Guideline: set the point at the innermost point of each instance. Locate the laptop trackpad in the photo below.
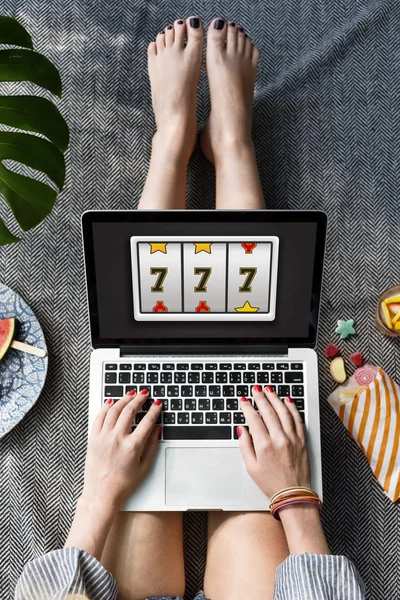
(204, 477)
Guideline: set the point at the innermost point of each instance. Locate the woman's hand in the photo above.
(275, 454)
(118, 460)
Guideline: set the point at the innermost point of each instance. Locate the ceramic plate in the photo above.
(22, 375)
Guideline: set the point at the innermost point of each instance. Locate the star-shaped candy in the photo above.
(345, 328)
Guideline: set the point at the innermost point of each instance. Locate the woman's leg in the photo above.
(174, 70)
(226, 140)
(243, 552)
(144, 552)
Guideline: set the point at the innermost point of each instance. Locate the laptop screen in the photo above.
(203, 276)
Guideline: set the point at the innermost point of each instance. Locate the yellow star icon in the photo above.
(247, 308)
(158, 248)
(202, 248)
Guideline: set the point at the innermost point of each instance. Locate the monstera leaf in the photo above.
(30, 200)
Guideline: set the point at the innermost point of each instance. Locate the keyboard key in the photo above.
(218, 404)
(139, 367)
(225, 366)
(262, 377)
(183, 419)
(110, 367)
(168, 367)
(296, 366)
(297, 390)
(273, 388)
(249, 377)
(211, 366)
(211, 418)
(176, 404)
(154, 367)
(193, 377)
(190, 404)
(207, 377)
(299, 402)
(179, 377)
(221, 432)
(293, 377)
(214, 390)
(253, 366)
(235, 435)
(152, 377)
(146, 406)
(165, 403)
(197, 418)
(186, 391)
(159, 391)
(242, 390)
(276, 377)
(124, 378)
(231, 404)
(200, 390)
(283, 390)
(111, 378)
(204, 404)
(303, 418)
(238, 418)
(182, 367)
(268, 366)
(228, 390)
(166, 378)
(239, 367)
(113, 391)
(282, 366)
(137, 377)
(139, 417)
(130, 388)
(235, 377)
(221, 377)
(197, 366)
(169, 418)
(125, 367)
(145, 387)
(225, 418)
(172, 390)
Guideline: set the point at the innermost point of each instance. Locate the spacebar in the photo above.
(197, 433)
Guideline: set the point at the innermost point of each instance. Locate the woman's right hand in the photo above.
(275, 454)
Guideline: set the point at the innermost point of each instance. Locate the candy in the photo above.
(345, 328)
(331, 351)
(364, 376)
(397, 326)
(392, 299)
(356, 358)
(337, 369)
(387, 319)
(394, 307)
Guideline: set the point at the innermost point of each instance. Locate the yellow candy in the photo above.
(337, 369)
(386, 315)
(392, 299)
(396, 318)
(397, 326)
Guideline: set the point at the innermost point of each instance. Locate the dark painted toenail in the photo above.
(169, 27)
(194, 23)
(232, 24)
(180, 22)
(220, 24)
(241, 29)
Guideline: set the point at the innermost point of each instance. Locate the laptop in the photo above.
(197, 307)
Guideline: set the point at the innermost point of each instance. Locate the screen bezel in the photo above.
(91, 217)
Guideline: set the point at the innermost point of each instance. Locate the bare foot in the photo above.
(231, 69)
(174, 70)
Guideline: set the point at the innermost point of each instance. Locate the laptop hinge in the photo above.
(200, 349)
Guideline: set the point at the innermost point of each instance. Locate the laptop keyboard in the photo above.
(201, 399)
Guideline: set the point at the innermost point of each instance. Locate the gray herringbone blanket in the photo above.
(327, 133)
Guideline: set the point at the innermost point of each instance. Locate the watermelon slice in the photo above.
(7, 328)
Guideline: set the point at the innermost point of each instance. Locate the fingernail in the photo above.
(232, 24)
(195, 23)
(257, 388)
(269, 389)
(244, 399)
(169, 27)
(110, 401)
(180, 22)
(131, 393)
(239, 431)
(246, 35)
(157, 402)
(143, 392)
(162, 31)
(241, 29)
(159, 431)
(219, 24)
(288, 398)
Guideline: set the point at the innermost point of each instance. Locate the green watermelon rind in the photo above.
(6, 335)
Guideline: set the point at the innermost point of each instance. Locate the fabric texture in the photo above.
(73, 574)
(327, 136)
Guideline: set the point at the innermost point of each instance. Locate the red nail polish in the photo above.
(257, 388)
(269, 389)
(159, 431)
(110, 401)
(143, 392)
(131, 393)
(239, 431)
(288, 398)
(243, 399)
(157, 402)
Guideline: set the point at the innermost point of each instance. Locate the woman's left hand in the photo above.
(118, 459)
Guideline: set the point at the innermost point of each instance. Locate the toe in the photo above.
(248, 48)
(179, 33)
(160, 41)
(152, 49)
(169, 35)
(195, 33)
(217, 33)
(231, 37)
(241, 40)
(255, 55)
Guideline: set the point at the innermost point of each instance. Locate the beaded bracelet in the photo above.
(275, 514)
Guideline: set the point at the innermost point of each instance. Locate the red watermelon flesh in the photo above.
(7, 328)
